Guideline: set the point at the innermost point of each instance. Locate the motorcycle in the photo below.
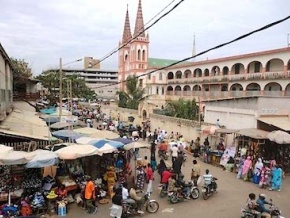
(176, 196)
(207, 190)
(151, 206)
(163, 190)
(275, 212)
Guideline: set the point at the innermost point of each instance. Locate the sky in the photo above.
(40, 32)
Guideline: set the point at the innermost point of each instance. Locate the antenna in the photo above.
(193, 48)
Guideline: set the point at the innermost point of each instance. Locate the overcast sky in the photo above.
(42, 31)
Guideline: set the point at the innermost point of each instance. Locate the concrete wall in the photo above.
(273, 106)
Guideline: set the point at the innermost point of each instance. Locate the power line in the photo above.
(208, 50)
(140, 33)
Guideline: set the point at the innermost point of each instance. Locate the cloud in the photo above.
(42, 31)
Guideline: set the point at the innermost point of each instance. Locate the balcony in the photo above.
(232, 77)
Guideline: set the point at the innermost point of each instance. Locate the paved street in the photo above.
(231, 196)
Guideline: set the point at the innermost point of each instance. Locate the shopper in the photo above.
(90, 196)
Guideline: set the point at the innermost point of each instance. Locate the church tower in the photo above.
(133, 58)
(124, 53)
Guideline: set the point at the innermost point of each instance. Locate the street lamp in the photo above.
(60, 83)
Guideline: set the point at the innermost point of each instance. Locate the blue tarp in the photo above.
(125, 141)
(101, 143)
(48, 110)
(66, 134)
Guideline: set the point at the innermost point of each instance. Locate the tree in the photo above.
(186, 109)
(21, 73)
(133, 94)
(50, 80)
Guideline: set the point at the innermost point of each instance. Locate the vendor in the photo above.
(61, 191)
(110, 177)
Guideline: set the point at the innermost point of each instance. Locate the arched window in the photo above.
(162, 91)
(143, 55)
(157, 91)
(139, 55)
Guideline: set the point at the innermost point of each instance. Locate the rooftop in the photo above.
(5, 55)
(158, 62)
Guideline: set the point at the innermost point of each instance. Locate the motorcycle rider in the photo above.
(261, 206)
(125, 194)
(133, 195)
(209, 180)
(171, 183)
(252, 205)
(162, 148)
(181, 183)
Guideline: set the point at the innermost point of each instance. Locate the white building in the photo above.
(6, 84)
(268, 113)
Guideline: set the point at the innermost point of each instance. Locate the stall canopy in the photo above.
(226, 131)
(280, 137)
(74, 151)
(106, 146)
(86, 140)
(60, 125)
(5, 149)
(51, 120)
(280, 122)
(209, 130)
(254, 133)
(16, 158)
(66, 134)
(42, 158)
(125, 141)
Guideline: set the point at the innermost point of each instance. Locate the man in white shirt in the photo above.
(125, 194)
(174, 153)
(208, 180)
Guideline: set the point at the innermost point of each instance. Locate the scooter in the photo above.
(207, 190)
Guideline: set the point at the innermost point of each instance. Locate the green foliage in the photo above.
(186, 109)
(133, 94)
(50, 80)
(21, 72)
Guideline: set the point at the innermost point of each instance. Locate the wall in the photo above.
(188, 128)
(273, 106)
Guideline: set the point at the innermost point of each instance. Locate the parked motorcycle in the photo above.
(162, 190)
(275, 212)
(151, 206)
(207, 190)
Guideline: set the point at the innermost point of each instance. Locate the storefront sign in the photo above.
(269, 110)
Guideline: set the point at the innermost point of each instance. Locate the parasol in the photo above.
(75, 151)
(280, 137)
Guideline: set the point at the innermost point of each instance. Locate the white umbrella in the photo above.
(42, 158)
(75, 151)
(279, 137)
(104, 134)
(5, 149)
(16, 158)
(134, 145)
(86, 131)
(85, 140)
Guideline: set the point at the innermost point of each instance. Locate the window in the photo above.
(157, 91)
(141, 82)
(162, 91)
(139, 55)
(237, 69)
(143, 55)
(160, 76)
(149, 76)
(268, 66)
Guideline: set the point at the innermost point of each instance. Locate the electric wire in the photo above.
(206, 51)
(141, 32)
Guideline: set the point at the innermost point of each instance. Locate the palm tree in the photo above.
(132, 95)
(186, 109)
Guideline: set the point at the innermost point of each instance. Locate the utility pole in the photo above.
(60, 88)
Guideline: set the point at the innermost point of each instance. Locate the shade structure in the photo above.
(42, 158)
(106, 146)
(51, 120)
(75, 151)
(125, 141)
(16, 158)
(66, 134)
(104, 134)
(85, 140)
(60, 125)
(209, 130)
(280, 137)
(136, 145)
(4, 150)
(48, 111)
(86, 131)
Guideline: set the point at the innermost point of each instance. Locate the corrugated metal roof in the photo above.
(25, 124)
(280, 122)
(254, 133)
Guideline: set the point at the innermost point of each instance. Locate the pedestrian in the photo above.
(174, 153)
(116, 209)
(90, 196)
(177, 165)
(161, 168)
(257, 171)
(247, 167)
(130, 179)
(240, 166)
(195, 172)
(153, 163)
(277, 175)
(140, 178)
(150, 177)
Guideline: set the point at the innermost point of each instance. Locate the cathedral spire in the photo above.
(127, 35)
(139, 25)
